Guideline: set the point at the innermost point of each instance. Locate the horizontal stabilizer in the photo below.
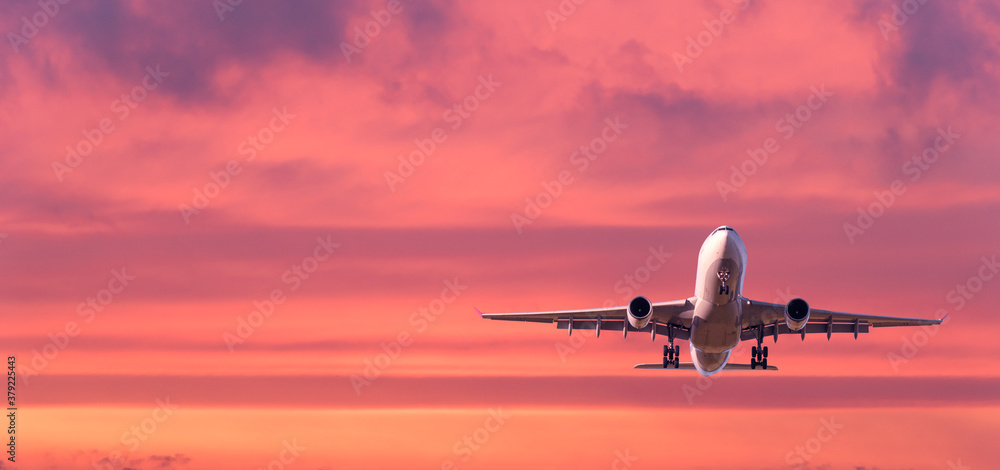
(659, 365)
(746, 367)
(690, 366)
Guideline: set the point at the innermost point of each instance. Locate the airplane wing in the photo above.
(767, 319)
(672, 317)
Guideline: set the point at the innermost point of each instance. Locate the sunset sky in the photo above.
(256, 235)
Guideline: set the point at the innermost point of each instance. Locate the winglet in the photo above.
(944, 317)
(480, 313)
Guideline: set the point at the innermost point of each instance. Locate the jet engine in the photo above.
(639, 311)
(796, 314)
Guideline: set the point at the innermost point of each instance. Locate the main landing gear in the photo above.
(759, 357)
(758, 353)
(671, 356)
(671, 353)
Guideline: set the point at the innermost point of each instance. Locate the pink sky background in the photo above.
(390, 248)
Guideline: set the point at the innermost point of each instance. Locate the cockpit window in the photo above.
(724, 227)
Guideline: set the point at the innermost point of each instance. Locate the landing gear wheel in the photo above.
(753, 351)
(765, 351)
(753, 362)
(763, 364)
(671, 355)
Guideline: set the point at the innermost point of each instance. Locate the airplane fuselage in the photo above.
(716, 321)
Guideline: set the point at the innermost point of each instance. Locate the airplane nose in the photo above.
(725, 239)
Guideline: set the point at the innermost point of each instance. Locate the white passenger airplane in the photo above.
(716, 318)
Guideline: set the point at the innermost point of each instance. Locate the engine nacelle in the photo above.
(639, 312)
(796, 314)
